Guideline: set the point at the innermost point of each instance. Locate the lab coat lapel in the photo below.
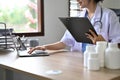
(97, 14)
(82, 13)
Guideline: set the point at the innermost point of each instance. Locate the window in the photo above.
(25, 17)
(73, 8)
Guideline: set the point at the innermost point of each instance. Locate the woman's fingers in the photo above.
(91, 38)
(92, 33)
(94, 37)
(31, 50)
(36, 48)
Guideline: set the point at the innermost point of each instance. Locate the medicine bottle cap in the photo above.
(103, 43)
(90, 48)
(113, 45)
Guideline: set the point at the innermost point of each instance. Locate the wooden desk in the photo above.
(71, 65)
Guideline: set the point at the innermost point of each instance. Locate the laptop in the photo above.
(24, 52)
(78, 26)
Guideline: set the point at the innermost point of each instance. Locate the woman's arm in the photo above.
(53, 46)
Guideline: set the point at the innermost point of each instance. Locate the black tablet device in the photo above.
(78, 26)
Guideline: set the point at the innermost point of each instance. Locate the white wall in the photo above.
(111, 3)
(54, 29)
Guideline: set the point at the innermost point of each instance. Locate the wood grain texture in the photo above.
(70, 63)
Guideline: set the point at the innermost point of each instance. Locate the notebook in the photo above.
(24, 53)
(78, 26)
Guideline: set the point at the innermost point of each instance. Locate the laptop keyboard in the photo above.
(34, 53)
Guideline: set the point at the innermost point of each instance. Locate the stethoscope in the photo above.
(99, 22)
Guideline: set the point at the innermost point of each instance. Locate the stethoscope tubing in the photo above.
(99, 21)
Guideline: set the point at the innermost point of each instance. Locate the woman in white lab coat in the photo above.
(105, 22)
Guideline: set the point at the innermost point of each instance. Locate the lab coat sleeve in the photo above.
(67, 39)
(114, 28)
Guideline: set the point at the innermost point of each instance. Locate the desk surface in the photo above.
(71, 65)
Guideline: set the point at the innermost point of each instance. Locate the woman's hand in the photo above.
(36, 48)
(94, 37)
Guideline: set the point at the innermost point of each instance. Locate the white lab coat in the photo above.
(110, 28)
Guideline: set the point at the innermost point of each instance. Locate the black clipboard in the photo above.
(78, 26)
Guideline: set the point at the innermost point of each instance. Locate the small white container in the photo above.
(93, 61)
(89, 48)
(100, 49)
(112, 56)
